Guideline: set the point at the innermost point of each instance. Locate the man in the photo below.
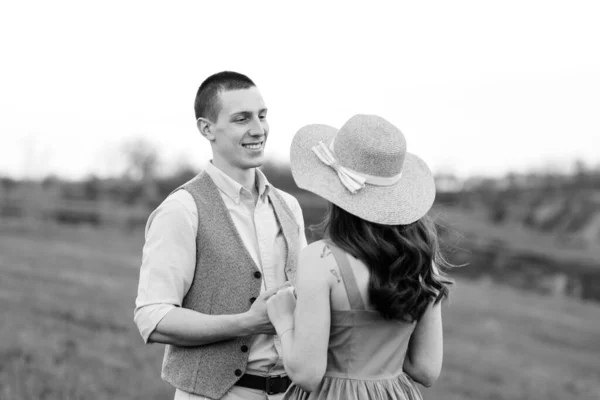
(216, 249)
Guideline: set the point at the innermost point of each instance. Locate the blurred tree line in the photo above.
(142, 186)
(130, 196)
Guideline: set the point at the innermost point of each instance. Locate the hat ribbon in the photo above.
(352, 180)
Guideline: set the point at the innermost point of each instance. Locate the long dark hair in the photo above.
(401, 259)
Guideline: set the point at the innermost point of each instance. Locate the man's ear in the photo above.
(205, 127)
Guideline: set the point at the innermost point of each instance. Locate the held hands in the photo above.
(260, 322)
(280, 308)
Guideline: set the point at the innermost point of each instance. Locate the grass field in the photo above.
(67, 298)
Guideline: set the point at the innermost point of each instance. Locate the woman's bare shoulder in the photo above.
(317, 261)
(316, 251)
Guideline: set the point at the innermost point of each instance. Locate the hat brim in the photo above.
(402, 203)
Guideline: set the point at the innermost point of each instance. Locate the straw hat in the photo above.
(364, 169)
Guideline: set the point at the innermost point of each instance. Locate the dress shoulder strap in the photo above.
(341, 258)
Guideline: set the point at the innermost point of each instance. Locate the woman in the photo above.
(367, 320)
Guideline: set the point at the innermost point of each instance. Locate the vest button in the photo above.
(244, 348)
(238, 372)
(252, 300)
(257, 275)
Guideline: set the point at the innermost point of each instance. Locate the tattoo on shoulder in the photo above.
(335, 273)
(326, 251)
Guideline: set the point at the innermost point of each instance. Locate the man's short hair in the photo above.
(207, 103)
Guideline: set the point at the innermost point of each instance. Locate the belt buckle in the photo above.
(269, 384)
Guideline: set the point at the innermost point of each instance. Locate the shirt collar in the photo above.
(264, 187)
(232, 188)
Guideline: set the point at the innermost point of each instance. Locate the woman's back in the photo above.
(366, 352)
(379, 196)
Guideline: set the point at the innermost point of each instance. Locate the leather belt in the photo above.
(270, 384)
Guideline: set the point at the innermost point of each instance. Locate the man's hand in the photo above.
(257, 314)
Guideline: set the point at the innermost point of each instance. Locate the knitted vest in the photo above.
(224, 283)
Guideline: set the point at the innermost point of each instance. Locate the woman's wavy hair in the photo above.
(405, 261)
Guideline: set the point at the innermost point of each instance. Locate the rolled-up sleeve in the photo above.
(168, 260)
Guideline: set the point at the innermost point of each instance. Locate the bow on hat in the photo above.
(352, 180)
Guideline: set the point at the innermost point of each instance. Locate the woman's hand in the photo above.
(280, 308)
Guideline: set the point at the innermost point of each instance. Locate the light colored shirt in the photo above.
(169, 256)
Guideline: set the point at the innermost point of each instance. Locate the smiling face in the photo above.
(239, 134)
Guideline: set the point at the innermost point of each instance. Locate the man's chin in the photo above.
(255, 163)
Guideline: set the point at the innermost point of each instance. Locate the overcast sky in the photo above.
(477, 87)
